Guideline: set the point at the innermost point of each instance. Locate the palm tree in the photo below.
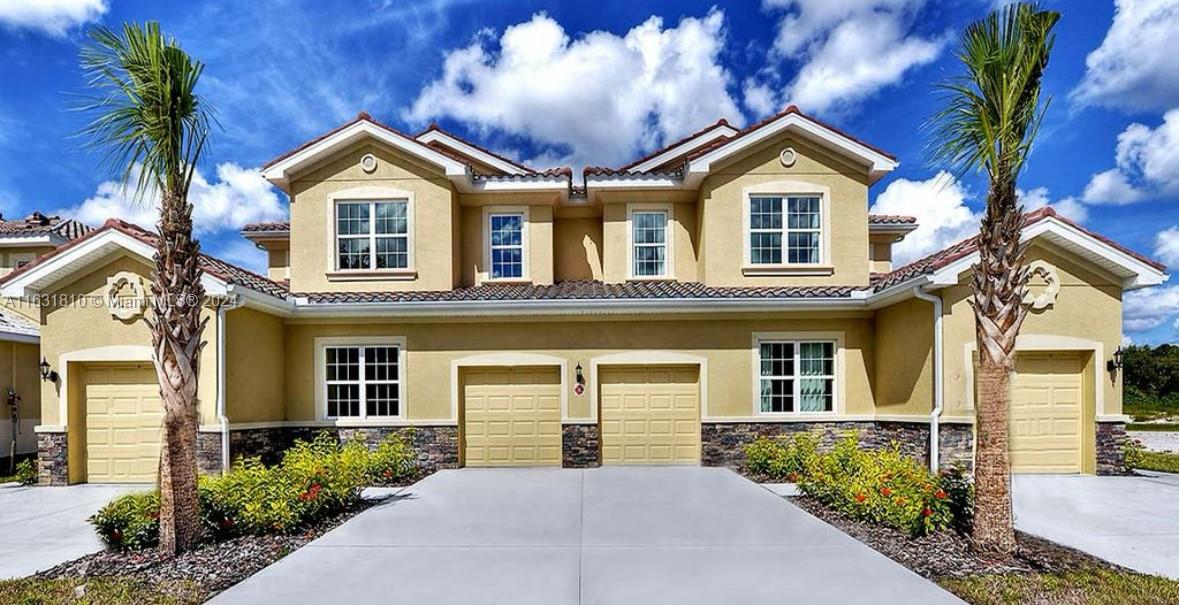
(153, 126)
(988, 123)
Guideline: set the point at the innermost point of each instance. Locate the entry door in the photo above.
(512, 417)
(1046, 413)
(650, 415)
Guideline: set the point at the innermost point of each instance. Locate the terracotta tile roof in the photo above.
(267, 226)
(435, 127)
(564, 171)
(717, 124)
(582, 290)
(214, 266)
(604, 171)
(964, 248)
(40, 224)
(360, 117)
(891, 219)
(12, 322)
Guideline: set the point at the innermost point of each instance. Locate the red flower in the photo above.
(860, 498)
(388, 473)
(925, 512)
(940, 495)
(792, 477)
(884, 491)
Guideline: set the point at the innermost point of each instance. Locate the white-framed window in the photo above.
(506, 253)
(785, 229)
(372, 235)
(796, 376)
(362, 380)
(649, 243)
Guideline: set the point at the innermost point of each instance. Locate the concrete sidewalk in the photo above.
(44, 526)
(610, 535)
(1131, 521)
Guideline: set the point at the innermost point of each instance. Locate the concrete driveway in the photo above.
(610, 535)
(1131, 521)
(43, 526)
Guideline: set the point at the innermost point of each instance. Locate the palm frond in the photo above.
(146, 115)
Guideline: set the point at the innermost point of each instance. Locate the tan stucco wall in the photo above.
(538, 223)
(254, 364)
(80, 326)
(616, 236)
(726, 344)
(1088, 307)
(722, 240)
(278, 261)
(904, 358)
(432, 222)
(9, 255)
(19, 372)
(577, 248)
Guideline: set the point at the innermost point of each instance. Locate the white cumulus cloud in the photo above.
(845, 51)
(1069, 207)
(595, 98)
(939, 203)
(1135, 66)
(1166, 246)
(238, 196)
(1147, 165)
(1150, 308)
(53, 17)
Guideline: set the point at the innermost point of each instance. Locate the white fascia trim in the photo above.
(685, 147)
(31, 240)
(898, 228)
(879, 163)
(462, 147)
(279, 173)
(635, 182)
(19, 337)
(557, 184)
(1143, 275)
(34, 279)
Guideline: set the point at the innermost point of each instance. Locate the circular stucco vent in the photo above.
(788, 157)
(368, 163)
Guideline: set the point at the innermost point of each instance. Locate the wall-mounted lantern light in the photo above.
(1115, 363)
(47, 373)
(580, 378)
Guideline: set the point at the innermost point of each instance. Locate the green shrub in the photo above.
(26, 472)
(394, 461)
(129, 522)
(315, 480)
(779, 459)
(879, 486)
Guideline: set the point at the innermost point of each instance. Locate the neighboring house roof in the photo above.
(54, 229)
(961, 251)
(585, 290)
(435, 136)
(61, 258)
(891, 219)
(14, 326)
(267, 226)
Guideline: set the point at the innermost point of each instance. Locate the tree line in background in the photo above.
(1151, 381)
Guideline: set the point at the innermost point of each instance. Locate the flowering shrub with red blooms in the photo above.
(880, 486)
(314, 481)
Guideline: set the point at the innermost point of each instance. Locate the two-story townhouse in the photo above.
(21, 241)
(729, 285)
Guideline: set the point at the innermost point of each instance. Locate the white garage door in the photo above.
(1046, 413)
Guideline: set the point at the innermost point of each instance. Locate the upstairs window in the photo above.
(796, 376)
(785, 230)
(372, 235)
(649, 243)
(506, 245)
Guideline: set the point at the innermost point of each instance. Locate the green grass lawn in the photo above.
(1165, 427)
(1154, 461)
(1094, 586)
(96, 591)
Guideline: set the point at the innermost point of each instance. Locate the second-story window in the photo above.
(507, 245)
(649, 243)
(784, 230)
(372, 235)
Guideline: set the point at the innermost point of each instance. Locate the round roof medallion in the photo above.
(126, 297)
(368, 163)
(788, 157)
(1046, 283)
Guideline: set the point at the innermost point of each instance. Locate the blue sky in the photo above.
(598, 83)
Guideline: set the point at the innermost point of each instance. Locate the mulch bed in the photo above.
(207, 570)
(949, 554)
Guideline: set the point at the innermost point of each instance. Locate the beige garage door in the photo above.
(650, 415)
(123, 423)
(512, 417)
(1046, 413)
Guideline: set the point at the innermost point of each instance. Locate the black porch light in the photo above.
(47, 374)
(1115, 363)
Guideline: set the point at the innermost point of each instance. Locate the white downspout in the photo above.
(938, 387)
(221, 417)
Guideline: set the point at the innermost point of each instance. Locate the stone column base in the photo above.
(53, 460)
(581, 446)
(1111, 448)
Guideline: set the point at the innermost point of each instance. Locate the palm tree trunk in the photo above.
(176, 326)
(999, 282)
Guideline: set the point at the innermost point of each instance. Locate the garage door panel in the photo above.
(512, 417)
(1046, 421)
(650, 415)
(123, 423)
